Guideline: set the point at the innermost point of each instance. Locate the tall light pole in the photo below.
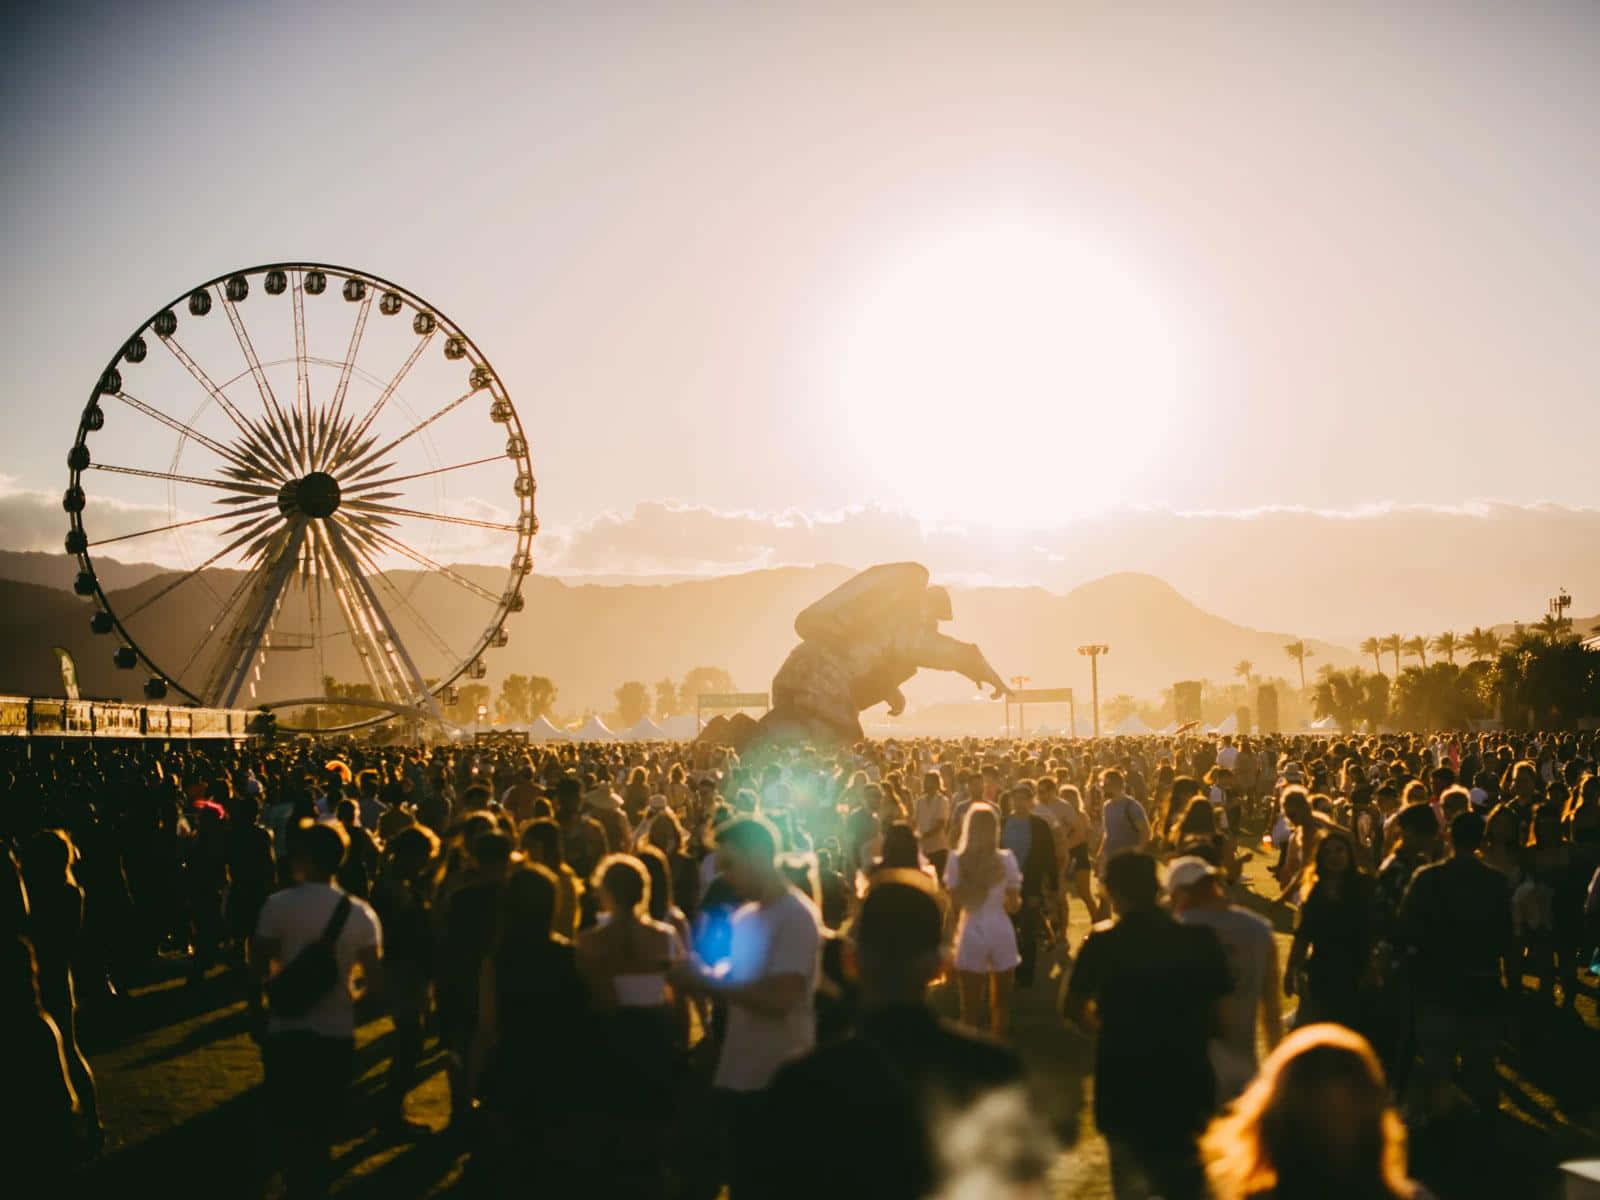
(1018, 682)
(1092, 652)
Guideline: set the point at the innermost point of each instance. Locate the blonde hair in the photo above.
(1278, 1133)
(978, 856)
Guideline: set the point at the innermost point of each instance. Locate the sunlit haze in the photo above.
(1014, 266)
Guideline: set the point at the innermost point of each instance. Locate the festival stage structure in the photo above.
(292, 432)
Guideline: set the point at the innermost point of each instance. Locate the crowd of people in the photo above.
(663, 969)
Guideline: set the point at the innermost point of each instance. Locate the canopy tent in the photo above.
(645, 730)
(1132, 726)
(541, 729)
(592, 730)
(1168, 730)
(1325, 725)
(1229, 724)
(684, 727)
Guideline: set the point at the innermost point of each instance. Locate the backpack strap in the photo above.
(335, 926)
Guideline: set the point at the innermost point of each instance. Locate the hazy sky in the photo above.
(1002, 262)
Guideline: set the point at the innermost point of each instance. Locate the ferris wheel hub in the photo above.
(315, 495)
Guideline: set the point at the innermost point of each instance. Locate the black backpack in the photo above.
(312, 974)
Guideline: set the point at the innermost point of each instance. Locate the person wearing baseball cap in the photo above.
(1148, 987)
(1198, 893)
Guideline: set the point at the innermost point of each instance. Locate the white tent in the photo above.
(684, 727)
(1169, 730)
(541, 729)
(1229, 724)
(1326, 725)
(645, 730)
(1132, 726)
(592, 730)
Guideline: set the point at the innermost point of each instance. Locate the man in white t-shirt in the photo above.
(1198, 899)
(307, 1056)
(768, 984)
(933, 821)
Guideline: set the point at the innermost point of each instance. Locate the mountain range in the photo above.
(589, 638)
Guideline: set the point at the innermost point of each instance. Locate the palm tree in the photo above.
(1418, 646)
(1393, 644)
(1243, 669)
(1446, 644)
(1299, 652)
(1373, 646)
(1483, 643)
(1553, 628)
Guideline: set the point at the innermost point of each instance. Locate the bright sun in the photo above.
(1006, 375)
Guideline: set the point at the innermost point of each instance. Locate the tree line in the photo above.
(525, 698)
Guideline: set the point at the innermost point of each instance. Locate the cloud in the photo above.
(1340, 574)
(35, 520)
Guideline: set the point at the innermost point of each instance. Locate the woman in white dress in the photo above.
(986, 887)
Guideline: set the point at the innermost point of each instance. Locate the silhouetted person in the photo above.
(532, 1052)
(308, 1037)
(1316, 1124)
(402, 898)
(55, 921)
(1149, 987)
(878, 1098)
(1456, 917)
(39, 1136)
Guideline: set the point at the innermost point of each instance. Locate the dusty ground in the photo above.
(177, 1091)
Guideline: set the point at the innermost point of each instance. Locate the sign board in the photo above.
(1042, 696)
(501, 739)
(78, 718)
(208, 722)
(732, 700)
(13, 716)
(116, 720)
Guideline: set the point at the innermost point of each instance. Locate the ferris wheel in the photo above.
(330, 481)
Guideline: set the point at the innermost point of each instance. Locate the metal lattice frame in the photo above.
(309, 490)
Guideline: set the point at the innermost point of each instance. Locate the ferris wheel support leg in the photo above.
(422, 697)
(241, 654)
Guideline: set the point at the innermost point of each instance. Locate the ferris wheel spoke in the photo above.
(374, 571)
(177, 426)
(373, 455)
(222, 516)
(240, 489)
(358, 488)
(269, 401)
(336, 410)
(256, 618)
(423, 560)
(188, 575)
(389, 510)
(423, 623)
(350, 441)
(363, 634)
(245, 426)
(217, 623)
(414, 690)
(302, 379)
(314, 579)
